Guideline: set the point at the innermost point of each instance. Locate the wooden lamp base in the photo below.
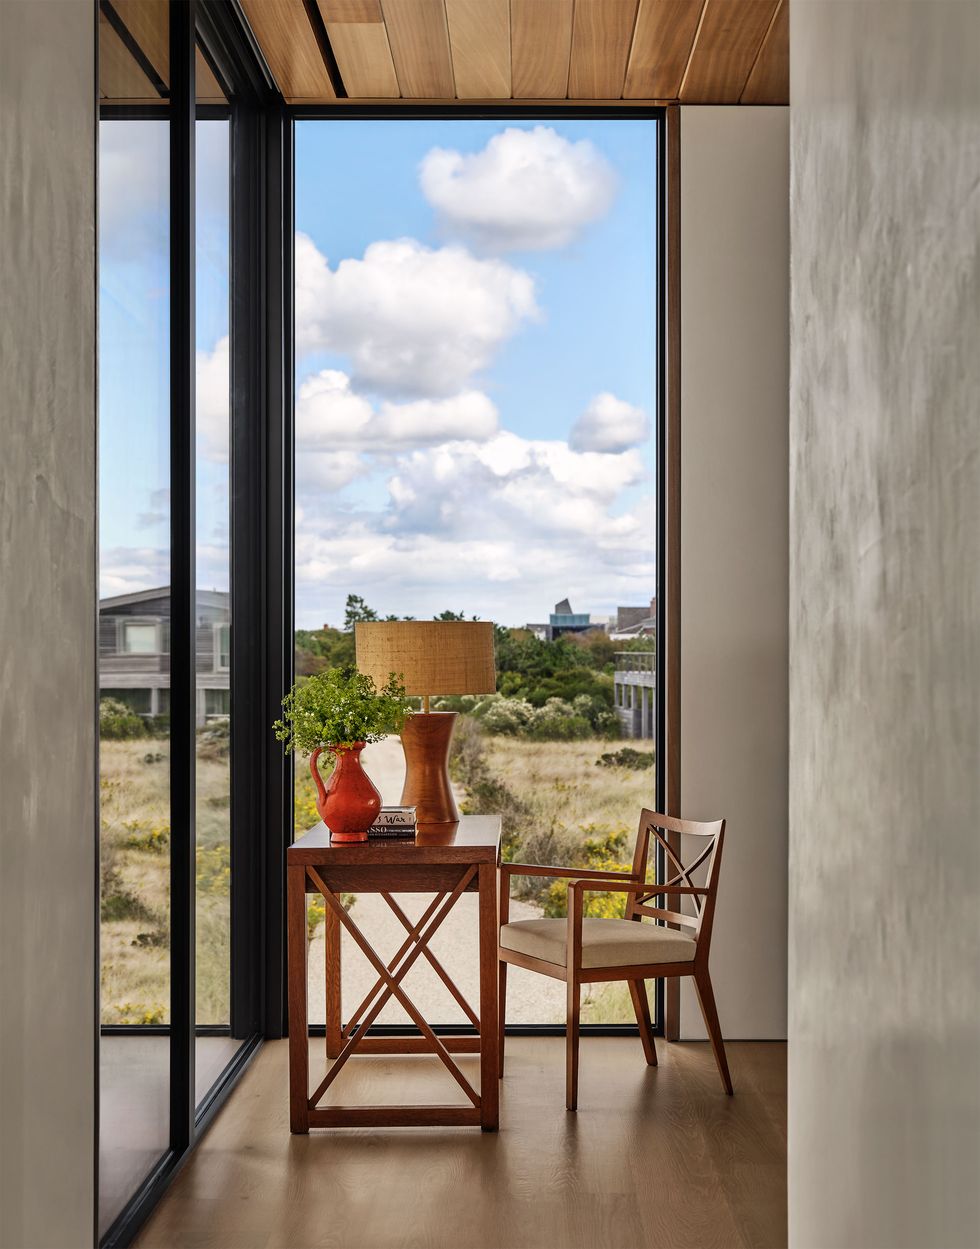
(426, 739)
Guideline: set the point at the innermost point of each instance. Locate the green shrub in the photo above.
(116, 901)
(154, 839)
(605, 851)
(117, 722)
(627, 757)
(510, 716)
(123, 904)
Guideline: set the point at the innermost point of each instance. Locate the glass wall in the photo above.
(134, 661)
(476, 399)
(166, 847)
(214, 1045)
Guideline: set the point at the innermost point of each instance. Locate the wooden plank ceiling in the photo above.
(694, 51)
(322, 51)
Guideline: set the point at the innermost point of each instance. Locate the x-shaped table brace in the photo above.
(390, 976)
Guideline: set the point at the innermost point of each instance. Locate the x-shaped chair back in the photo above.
(696, 881)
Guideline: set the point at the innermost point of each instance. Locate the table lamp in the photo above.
(429, 657)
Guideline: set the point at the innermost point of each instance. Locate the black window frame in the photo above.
(261, 562)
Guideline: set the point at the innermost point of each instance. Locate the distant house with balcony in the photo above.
(134, 652)
(635, 692)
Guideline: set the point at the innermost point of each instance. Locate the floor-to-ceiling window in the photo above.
(167, 342)
(134, 643)
(214, 1045)
(476, 407)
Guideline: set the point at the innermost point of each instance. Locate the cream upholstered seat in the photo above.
(605, 942)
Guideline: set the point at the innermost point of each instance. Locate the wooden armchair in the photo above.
(589, 951)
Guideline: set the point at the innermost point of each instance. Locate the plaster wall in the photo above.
(48, 827)
(734, 543)
(884, 1088)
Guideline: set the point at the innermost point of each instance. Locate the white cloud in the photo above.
(503, 527)
(414, 321)
(526, 189)
(327, 470)
(126, 569)
(470, 414)
(213, 383)
(328, 411)
(331, 415)
(609, 425)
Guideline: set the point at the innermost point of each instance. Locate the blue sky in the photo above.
(390, 526)
(475, 364)
(134, 354)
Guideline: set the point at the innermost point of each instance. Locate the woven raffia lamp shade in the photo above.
(429, 657)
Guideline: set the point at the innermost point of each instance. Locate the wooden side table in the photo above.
(445, 860)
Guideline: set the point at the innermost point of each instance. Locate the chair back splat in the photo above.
(654, 834)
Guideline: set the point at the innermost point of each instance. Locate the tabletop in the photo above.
(475, 839)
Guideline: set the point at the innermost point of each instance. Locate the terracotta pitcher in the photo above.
(349, 803)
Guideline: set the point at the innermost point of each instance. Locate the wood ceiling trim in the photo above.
(207, 87)
(769, 80)
(418, 35)
(356, 11)
(662, 43)
(479, 39)
(359, 40)
(148, 21)
(602, 33)
(727, 45)
(541, 47)
(283, 32)
(120, 76)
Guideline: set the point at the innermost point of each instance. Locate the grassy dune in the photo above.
(135, 934)
(561, 799)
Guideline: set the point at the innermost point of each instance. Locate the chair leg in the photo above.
(501, 1014)
(571, 1043)
(706, 997)
(641, 1008)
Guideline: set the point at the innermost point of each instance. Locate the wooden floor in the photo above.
(658, 1158)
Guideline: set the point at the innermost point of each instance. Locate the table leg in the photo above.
(489, 1052)
(331, 942)
(299, 1055)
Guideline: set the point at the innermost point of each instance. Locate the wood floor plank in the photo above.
(658, 1157)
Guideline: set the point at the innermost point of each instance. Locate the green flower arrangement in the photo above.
(338, 708)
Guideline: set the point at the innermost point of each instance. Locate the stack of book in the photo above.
(393, 824)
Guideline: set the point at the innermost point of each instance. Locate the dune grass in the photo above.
(135, 858)
(562, 799)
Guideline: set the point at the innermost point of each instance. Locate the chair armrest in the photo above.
(568, 873)
(618, 885)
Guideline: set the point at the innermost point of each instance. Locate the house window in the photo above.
(217, 703)
(139, 638)
(138, 700)
(222, 647)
